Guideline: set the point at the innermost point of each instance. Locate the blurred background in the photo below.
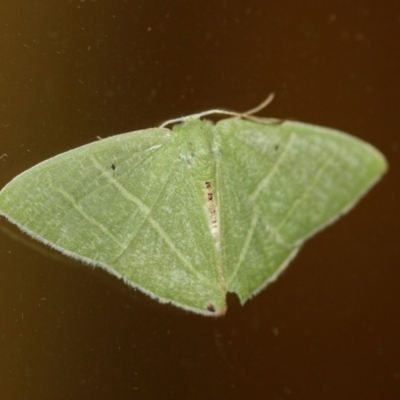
(329, 327)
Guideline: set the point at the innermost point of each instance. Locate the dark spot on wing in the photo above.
(276, 147)
(113, 167)
(211, 308)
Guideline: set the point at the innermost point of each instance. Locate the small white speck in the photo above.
(154, 147)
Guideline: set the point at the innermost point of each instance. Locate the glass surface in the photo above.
(73, 71)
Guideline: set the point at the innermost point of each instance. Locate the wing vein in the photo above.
(304, 194)
(273, 170)
(146, 212)
(245, 247)
(88, 218)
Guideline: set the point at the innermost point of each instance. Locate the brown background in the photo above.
(329, 327)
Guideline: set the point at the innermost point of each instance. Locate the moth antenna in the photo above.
(248, 114)
(264, 104)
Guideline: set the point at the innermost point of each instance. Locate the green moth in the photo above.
(190, 213)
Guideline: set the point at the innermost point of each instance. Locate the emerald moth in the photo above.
(191, 213)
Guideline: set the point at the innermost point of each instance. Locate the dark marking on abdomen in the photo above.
(212, 211)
